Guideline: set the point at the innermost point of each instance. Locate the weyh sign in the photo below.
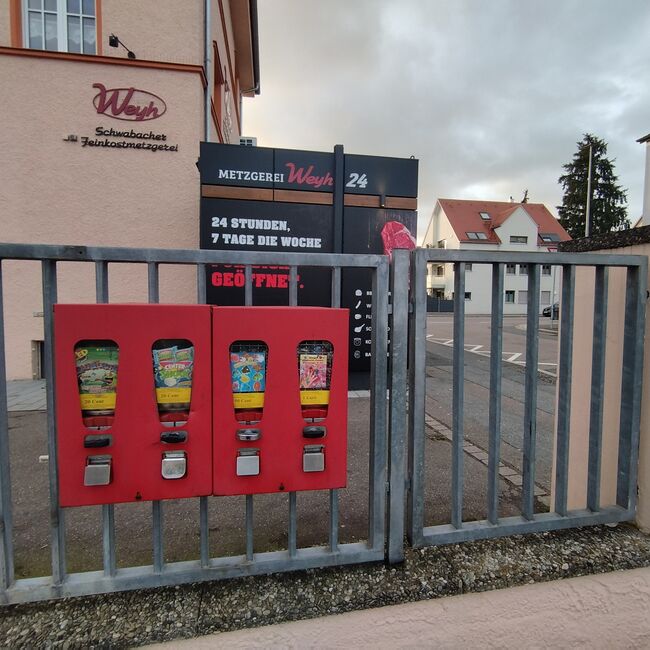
(130, 104)
(285, 200)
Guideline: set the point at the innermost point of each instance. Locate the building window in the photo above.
(522, 297)
(549, 237)
(476, 235)
(511, 269)
(510, 297)
(468, 266)
(442, 243)
(60, 25)
(518, 239)
(485, 216)
(440, 270)
(468, 295)
(523, 269)
(546, 269)
(545, 297)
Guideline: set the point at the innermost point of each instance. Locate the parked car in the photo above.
(556, 310)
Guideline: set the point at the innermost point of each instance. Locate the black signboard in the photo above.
(272, 216)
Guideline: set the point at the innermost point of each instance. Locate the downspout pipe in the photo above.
(209, 69)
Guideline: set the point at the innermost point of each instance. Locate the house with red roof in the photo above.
(497, 226)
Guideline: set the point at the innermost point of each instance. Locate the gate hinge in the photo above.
(411, 307)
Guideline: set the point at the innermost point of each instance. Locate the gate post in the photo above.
(397, 382)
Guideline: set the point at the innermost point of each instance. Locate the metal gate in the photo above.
(203, 567)
(408, 468)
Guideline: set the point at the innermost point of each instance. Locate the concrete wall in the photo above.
(580, 392)
(602, 611)
(156, 30)
(63, 193)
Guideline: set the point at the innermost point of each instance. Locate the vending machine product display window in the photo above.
(173, 366)
(315, 359)
(96, 363)
(248, 374)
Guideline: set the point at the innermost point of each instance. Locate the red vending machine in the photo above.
(279, 399)
(133, 402)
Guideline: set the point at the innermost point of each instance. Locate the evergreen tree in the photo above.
(608, 199)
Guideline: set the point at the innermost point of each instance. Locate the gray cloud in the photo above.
(490, 96)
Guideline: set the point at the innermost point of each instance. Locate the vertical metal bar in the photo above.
(399, 282)
(248, 285)
(496, 349)
(101, 282)
(6, 515)
(637, 379)
(417, 391)
(635, 299)
(378, 411)
(293, 286)
(336, 287)
(458, 396)
(292, 524)
(57, 522)
(201, 284)
(597, 388)
(249, 527)
(108, 510)
(334, 521)
(153, 287)
(204, 541)
(108, 539)
(339, 196)
(564, 390)
(157, 521)
(530, 393)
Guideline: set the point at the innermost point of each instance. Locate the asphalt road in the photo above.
(476, 403)
(477, 338)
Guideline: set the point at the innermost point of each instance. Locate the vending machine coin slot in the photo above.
(97, 440)
(174, 464)
(173, 437)
(248, 435)
(248, 462)
(98, 470)
(314, 432)
(313, 458)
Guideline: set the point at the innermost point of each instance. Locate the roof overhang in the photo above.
(244, 26)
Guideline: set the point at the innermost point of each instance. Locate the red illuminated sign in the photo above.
(131, 104)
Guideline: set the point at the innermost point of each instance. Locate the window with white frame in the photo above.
(476, 235)
(60, 25)
(468, 295)
(522, 297)
(545, 297)
(518, 239)
(546, 269)
(468, 266)
(510, 297)
(523, 269)
(511, 269)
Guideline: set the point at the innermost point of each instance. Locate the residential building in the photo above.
(104, 104)
(493, 226)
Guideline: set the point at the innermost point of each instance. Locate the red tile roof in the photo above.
(464, 217)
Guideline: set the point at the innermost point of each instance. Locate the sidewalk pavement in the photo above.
(26, 395)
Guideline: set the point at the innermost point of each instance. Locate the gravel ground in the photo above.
(140, 617)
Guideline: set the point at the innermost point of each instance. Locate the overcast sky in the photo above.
(490, 95)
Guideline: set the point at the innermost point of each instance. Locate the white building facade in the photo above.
(493, 226)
